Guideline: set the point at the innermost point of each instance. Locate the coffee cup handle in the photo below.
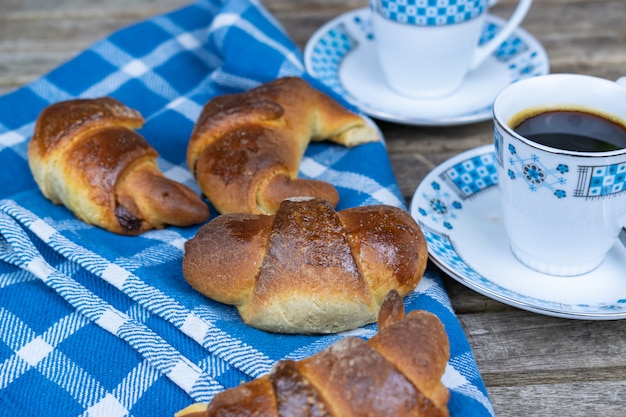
(483, 51)
(621, 81)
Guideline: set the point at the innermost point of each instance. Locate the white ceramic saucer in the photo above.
(457, 207)
(341, 55)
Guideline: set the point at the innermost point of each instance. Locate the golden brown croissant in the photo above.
(397, 373)
(86, 155)
(245, 149)
(308, 268)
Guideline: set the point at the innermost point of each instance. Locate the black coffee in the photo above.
(572, 130)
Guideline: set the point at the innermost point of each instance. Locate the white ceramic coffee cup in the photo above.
(426, 47)
(562, 210)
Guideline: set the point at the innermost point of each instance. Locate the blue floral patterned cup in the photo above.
(563, 210)
(425, 48)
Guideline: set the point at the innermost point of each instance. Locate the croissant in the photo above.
(397, 373)
(86, 155)
(245, 149)
(308, 268)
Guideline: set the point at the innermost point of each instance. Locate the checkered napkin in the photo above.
(97, 324)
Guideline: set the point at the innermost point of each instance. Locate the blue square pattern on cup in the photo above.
(602, 180)
(592, 182)
(430, 12)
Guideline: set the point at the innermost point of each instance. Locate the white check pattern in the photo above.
(96, 324)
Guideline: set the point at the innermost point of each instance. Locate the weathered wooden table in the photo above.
(532, 364)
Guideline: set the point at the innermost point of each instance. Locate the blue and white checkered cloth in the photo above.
(97, 324)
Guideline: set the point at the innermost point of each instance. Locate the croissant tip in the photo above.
(194, 410)
(391, 310)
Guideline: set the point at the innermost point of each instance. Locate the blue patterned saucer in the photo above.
(457, 207)
(341, 55)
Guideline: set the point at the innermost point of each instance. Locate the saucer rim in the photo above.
(479, 115)
(521, 301)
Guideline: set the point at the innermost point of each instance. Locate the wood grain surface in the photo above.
(532, 365)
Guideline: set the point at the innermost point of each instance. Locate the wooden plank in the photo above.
(538, 365)
(521, 344)
(581, 399)
(36, 37)
(52, 9)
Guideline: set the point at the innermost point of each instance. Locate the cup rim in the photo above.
(521, 83)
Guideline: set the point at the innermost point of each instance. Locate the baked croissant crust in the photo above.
(397, 373)
(308, 268)
(85, 155)
(245, 149)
